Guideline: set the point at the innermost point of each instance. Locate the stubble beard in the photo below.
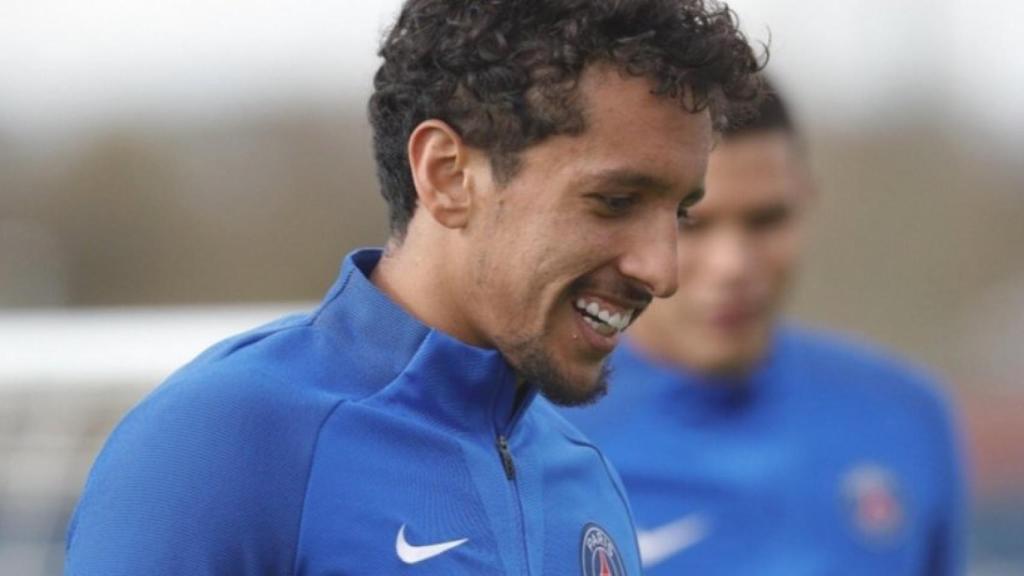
(535, 364)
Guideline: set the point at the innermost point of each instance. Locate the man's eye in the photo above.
(769, 218)
(693, 198)
(690, 224)
(683, 214)
(687, 222)
(683, 210)
(617, 204)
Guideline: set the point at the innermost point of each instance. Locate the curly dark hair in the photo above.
(770, 115)
(503, 73)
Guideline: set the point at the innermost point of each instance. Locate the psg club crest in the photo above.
(875, 503)
(598, 554)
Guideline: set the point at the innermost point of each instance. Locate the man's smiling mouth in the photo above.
(603, 319)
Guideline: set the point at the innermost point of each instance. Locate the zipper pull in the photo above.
(506, 458)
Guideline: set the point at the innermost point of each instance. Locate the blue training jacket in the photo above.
(352, 440)
(830, 459)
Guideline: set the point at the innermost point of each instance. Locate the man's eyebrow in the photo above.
(631, 179)
(622, 178)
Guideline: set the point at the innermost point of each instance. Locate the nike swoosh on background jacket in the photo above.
(829, 459)
(351, 440)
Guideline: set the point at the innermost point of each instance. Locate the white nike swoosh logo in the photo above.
(414, 554)
(666, 541)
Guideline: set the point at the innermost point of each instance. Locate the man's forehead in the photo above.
(751, 182)
(763, 145)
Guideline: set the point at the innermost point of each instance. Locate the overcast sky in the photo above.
(66, 64)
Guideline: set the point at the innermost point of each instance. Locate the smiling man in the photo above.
(752, 447)
(536, 157)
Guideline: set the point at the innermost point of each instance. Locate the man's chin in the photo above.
(558, 383)
(569, 392)
(734, 360)
(561, 376)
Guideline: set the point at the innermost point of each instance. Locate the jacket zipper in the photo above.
(509, 466)
(506, 458)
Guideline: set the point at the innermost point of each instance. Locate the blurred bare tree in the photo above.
(242, 211)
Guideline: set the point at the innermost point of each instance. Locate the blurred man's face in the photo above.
(737, 257)
(571, 250)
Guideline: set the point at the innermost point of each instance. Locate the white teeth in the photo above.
(609, 322)
(597, 326)
(600, 328)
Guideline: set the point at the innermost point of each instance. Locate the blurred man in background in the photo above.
(536, 157)
(748, 446)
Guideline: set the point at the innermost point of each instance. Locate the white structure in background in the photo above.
(66, 377)
(116, 346)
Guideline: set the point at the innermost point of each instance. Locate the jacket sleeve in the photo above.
(204, 477)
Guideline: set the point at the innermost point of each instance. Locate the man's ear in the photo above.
(438, 159)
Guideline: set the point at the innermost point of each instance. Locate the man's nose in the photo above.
(651, 259)
(728, 254)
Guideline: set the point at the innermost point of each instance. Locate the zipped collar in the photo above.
(415, 369)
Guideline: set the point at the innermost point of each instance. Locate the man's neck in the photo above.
(414, 280)
(665, 348)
